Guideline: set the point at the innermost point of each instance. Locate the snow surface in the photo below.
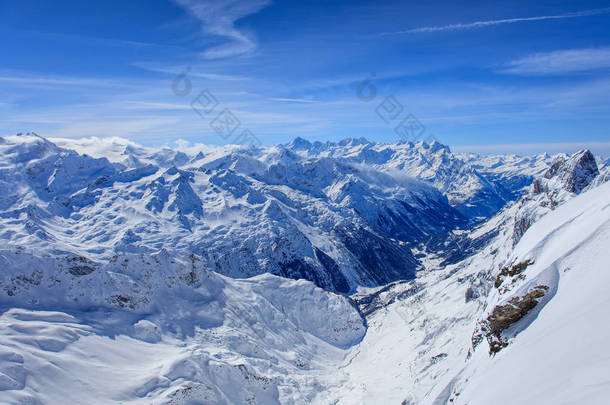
(418, 349)
(265, 340)
(562, 357)
(136, 275)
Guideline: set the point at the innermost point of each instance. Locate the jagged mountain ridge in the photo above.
(477, 186)
(339, 214)
(244, 212)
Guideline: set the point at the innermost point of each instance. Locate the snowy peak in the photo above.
(574, 173)
(435, 146)
(24, 147)
(566, 177)
(299, 144)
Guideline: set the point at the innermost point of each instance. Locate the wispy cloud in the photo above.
(56, 81)
(194, 72)
(564, 61)
(127, 128)
(481, 24)
(91, 39)
(292, 100)
(218, 17)
(145, 105)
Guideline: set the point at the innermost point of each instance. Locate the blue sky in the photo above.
(481, 76)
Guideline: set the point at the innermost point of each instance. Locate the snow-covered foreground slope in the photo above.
(265, 340)
(560, 352)
(428, 340)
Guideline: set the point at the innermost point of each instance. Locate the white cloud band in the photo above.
(480, 24)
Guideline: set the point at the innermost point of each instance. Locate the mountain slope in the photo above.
(557, 355)
(265, 340)
(433, 336)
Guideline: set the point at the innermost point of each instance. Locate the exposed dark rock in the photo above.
(81, 270)
(503, 316)
(522, 224)
(511, 271)
(438, 357)
(34, 278)
(80, 266)
(298, 269)
(471, 294)
(385, 296)
(122, 301)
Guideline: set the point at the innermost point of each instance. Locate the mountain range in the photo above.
(286, 274)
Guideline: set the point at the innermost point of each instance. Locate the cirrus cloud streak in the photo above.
(481, 24)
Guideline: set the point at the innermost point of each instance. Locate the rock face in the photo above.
(566, 177)
(575, 173)
(504, 316)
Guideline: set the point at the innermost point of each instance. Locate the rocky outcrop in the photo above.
(575, 173)
(566, 177)
(504, 316)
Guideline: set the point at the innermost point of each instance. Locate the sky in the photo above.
(479, 76)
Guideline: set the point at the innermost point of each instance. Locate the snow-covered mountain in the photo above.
(477, 186)
(479, 331)
(338, 214)
(140, 275)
